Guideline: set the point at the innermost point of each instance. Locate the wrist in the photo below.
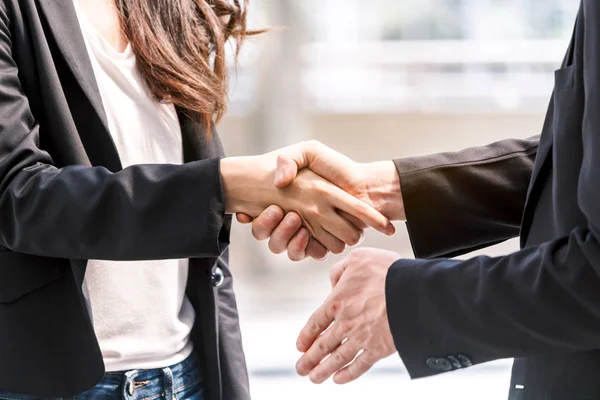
(384, 190)
(242, 179)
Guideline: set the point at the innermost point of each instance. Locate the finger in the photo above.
(243, 218)
(316, 250)
(323, 346)
(266, 222)
(355, 370)
(284, 232)
(339, 227)
(362, 211)
(338, 359)
(331, 243)
(318, 322)
(298, 245)
(286, 172)
(294, 158)
(337, 271)
(355, 221)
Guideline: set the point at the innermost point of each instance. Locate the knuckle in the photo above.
(356, 255)
(274, 214)
(282, 158)
(312, 143)
(292, 224)
(357, 310)
(360, 362)
(321, 189)
(353, 256)
(312, 213)
(352, 373)
(367, 361)
(335, 307)
(363, 364)
(322, 346)
(316, 328)
(340, 356)
(345, 326)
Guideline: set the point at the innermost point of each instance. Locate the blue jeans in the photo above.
(182, 381)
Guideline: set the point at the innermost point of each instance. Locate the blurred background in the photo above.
(378, 80)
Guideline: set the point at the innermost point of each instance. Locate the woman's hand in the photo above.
(249, 189)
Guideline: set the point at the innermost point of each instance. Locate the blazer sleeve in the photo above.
(76, 212)
(459, 202)
(540, 300)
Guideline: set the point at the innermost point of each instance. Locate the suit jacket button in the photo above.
(455, 362)
(439, 364)
(217, 277)
(464, 360)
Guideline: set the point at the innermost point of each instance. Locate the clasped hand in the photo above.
(375, 185)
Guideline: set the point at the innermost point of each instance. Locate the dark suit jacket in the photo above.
(64, 198)
(541, 304)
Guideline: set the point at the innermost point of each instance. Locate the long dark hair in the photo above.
(180, 49)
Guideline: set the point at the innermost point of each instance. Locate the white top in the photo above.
(140, 313)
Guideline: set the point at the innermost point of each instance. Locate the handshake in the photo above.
(310, 200)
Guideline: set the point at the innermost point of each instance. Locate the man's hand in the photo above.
(350, 332)
(376, 184)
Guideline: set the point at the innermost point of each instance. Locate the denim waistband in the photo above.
(169, 383)
(172, 378)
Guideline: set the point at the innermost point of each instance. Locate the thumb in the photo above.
(294, 158)
(337, 271)
(287, 169)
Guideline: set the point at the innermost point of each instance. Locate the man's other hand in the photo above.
(350, 332)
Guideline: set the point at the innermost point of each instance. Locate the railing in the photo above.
(437, 52)
(424, 76)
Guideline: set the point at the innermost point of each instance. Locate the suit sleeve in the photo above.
(540, 300)
(459, 202)
(142, 212)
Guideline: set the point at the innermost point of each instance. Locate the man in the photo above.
(540, 305)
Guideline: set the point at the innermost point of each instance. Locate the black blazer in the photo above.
(64, 198)
(541, 304)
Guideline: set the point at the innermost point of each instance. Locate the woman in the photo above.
(114, 201)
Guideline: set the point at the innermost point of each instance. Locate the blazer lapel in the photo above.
(196, 145)
(543, 161)
(62, 21)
